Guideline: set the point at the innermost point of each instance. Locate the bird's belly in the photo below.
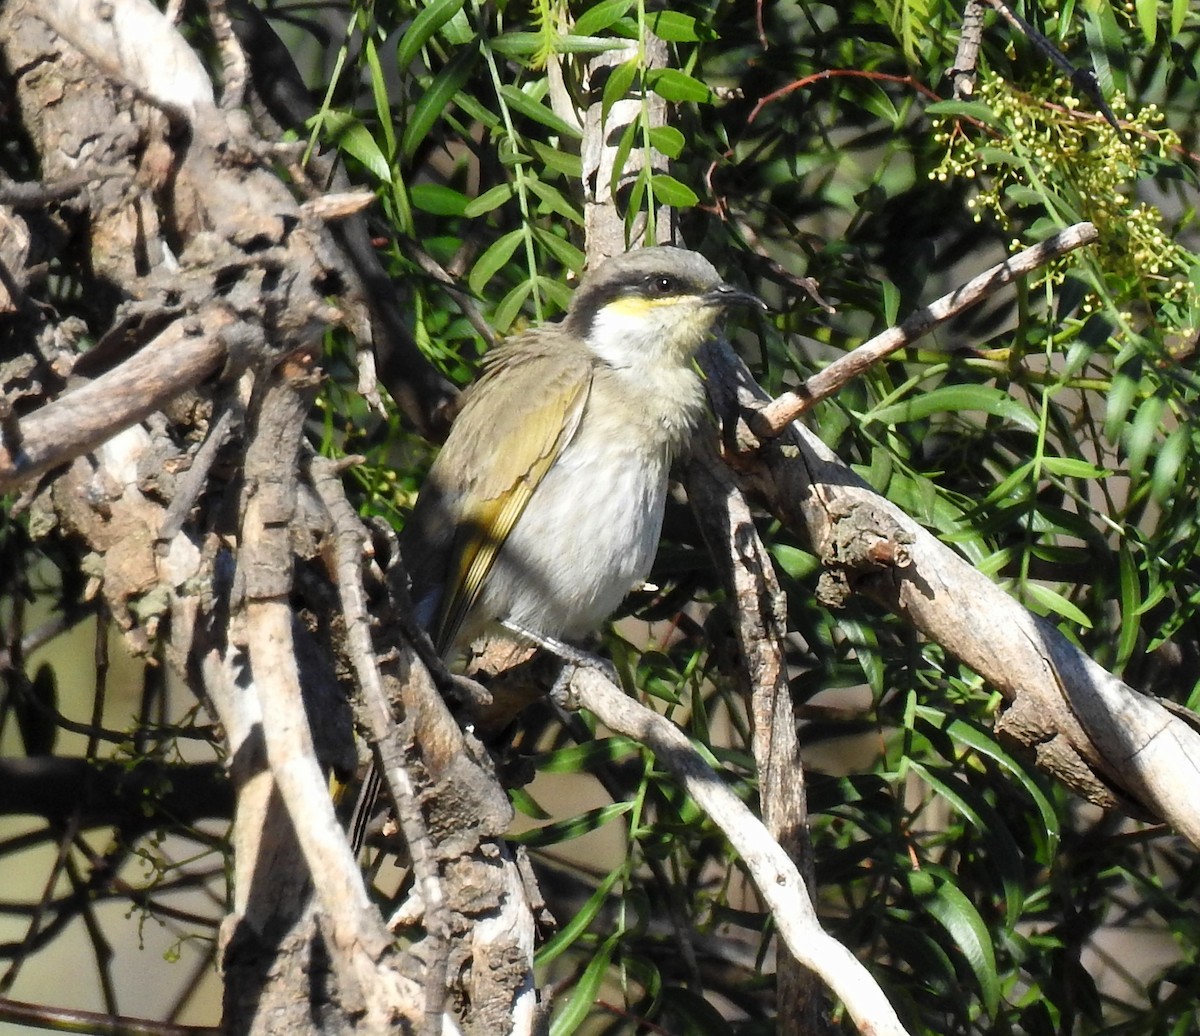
(587, 536)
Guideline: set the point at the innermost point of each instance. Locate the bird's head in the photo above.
(654, 305)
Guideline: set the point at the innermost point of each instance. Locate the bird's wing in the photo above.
(546, 388)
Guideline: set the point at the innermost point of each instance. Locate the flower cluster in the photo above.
(1042, 159)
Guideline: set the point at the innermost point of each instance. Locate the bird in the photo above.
(544, 507)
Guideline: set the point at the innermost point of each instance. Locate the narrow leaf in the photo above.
(520, 101)
(600, 16)
(566, 936)
(438, 199)
(669, 191)
(421, 31)
(954, 912)
(490, 199)
(573, 827)
(498, 253)
(668, 140)
(676, 27)
(954, 399)
(1053, 601)
(672, 85)
(437, 98)
(586, 990)
(355, 139)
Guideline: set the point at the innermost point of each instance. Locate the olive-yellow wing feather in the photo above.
(514, 423)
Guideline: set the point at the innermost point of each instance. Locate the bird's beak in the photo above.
(726, 295)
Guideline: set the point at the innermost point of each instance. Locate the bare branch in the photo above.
(760, 620)
(348, 544)
(776, 415)
(182, 356)
(773, 872)
(360, 946)
(1101, 737)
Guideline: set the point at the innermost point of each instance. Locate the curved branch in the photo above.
(179, 358)
(774, 874)
(1102, 738)
(773, 418)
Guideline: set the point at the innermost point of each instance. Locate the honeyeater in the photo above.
(544, 506)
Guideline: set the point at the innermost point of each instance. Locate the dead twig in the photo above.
(773, 418)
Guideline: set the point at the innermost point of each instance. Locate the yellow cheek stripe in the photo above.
(637, 305)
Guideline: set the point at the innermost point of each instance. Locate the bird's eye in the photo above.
(661, 284)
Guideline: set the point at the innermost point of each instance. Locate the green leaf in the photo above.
(621, 159)
(672, 85)
(573, 827)
(437, 99)
(668, 140)
(567, 935)
(1131, 596)
(438, 199)
(526, 804)
(1002, 854)
(875, 100)
(953, 399)
(379, 92)
(1169, 464)
(1147, 16)
(525, 44)
(970, 736)
(586, 990)
(421, 31)
(600, 16)
(620, 79)
(589, 756)
(510, 305)
(669, 191)
(1073, 467)
(954, 912)
(351, 136)
(866, 652)
(676, 27)
(1179, 10)
(1117, 402)
(556, 161)
(562, 250)
(554, 200)
(976, 110)
(797, 563)
(1141, 433)
(891, 302)
(1053, 601)
(520, 101)
(1105, 38)
(489, 264)
(490, 199)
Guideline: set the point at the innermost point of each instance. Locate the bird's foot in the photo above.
(572, 658)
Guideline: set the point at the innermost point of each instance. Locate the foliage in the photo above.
(1050, 439)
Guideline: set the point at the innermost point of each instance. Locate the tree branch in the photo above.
(759, 610)
(773, 418)
(1111, 744)
(359, 945)
(179, 358)
(773, 872)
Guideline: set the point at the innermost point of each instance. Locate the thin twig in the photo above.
(348, 539)
(189, 486)
(183, 355)
(966, 58)
(773, 418)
